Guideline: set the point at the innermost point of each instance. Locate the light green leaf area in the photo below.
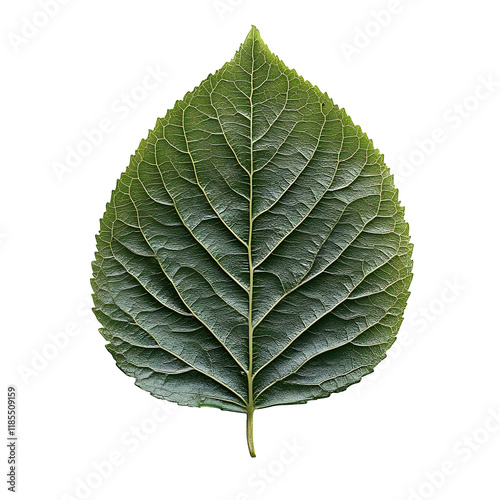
(254, 253)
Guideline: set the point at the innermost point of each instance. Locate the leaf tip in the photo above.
(253, 35)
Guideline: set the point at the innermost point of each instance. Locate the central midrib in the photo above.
(250, 407)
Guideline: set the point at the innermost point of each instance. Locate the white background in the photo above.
(432, 401)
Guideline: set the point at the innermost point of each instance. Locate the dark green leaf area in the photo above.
(254, 253)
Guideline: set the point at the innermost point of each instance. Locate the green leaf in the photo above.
(254, 253)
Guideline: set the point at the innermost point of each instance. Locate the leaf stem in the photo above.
(251, 447)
